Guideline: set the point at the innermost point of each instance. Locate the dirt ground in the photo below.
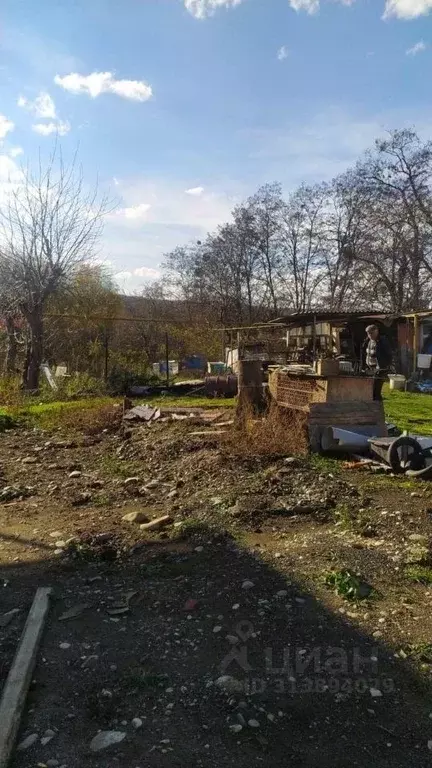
(215, 640)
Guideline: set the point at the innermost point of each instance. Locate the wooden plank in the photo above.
(19, 677)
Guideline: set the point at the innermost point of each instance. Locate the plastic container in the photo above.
(397, 381)
(424, 361)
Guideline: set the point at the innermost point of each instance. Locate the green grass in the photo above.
(402, 406)
(49, 415)
(420, 574)
(348, 585)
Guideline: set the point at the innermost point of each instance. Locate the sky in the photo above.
(179, 109)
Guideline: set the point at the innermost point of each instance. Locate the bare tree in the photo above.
(49, 226)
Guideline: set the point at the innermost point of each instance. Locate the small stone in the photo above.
(105, 739)
(199, 549)
(52, 763)
(232, 639)
(159, 522)
(229, 684)
(236, 606)
(131, 481)
(58, 551)
(375, 693)
(270, 717)
(136, 517)
(75, 473)
(236, 728)
(64, 646)
(190, 604)
(429, 744)
(172, 494)
(29, 460)
(415, 495)
(253, 723)
(217, 629)
(248, 584)
(49, 732)
(60, 543)
(28, 742)
(282, 593)
(418, 537)
(45, 740)
(55, 534)
(136, 723)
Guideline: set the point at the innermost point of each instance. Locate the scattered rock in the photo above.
(172, 494)
(132, 481)
(73, 612)
(81, 498)
(28, 742)
(375, 693)
(75, 473)
(136, 723)
(236, 728)
(253, 723)
(190, 604)
(229, 684)
(105, 739)
(136, 517)
(29, 460)
(248, 584)
(52, 763)
(64, 646)
(159, 522)
(419, 538)
(7, 617)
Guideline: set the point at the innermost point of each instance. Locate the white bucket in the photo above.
(397, 381)
(424, 361)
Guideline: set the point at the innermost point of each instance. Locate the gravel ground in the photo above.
(213, 641)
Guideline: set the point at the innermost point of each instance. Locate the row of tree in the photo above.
(361, 241)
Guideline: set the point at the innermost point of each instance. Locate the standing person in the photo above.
(378, 358)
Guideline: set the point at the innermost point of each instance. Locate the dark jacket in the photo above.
(384, 353)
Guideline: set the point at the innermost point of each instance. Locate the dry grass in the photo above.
(279, 432)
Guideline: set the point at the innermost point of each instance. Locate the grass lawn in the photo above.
(49, 415)
(399, 408)
(402, 406)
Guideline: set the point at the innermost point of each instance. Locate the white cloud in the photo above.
(201, 9)
(15, 151)
(131, 280)
(43, 106)
(116, 181)
(135, 211)
(417, 48)
(310, 6)
(46, 129)
(313, 6)
(5, 126)
(407, 9)
(194, 191)
(104, 82)
(282, 53)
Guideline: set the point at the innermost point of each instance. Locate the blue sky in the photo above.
(181, 108)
